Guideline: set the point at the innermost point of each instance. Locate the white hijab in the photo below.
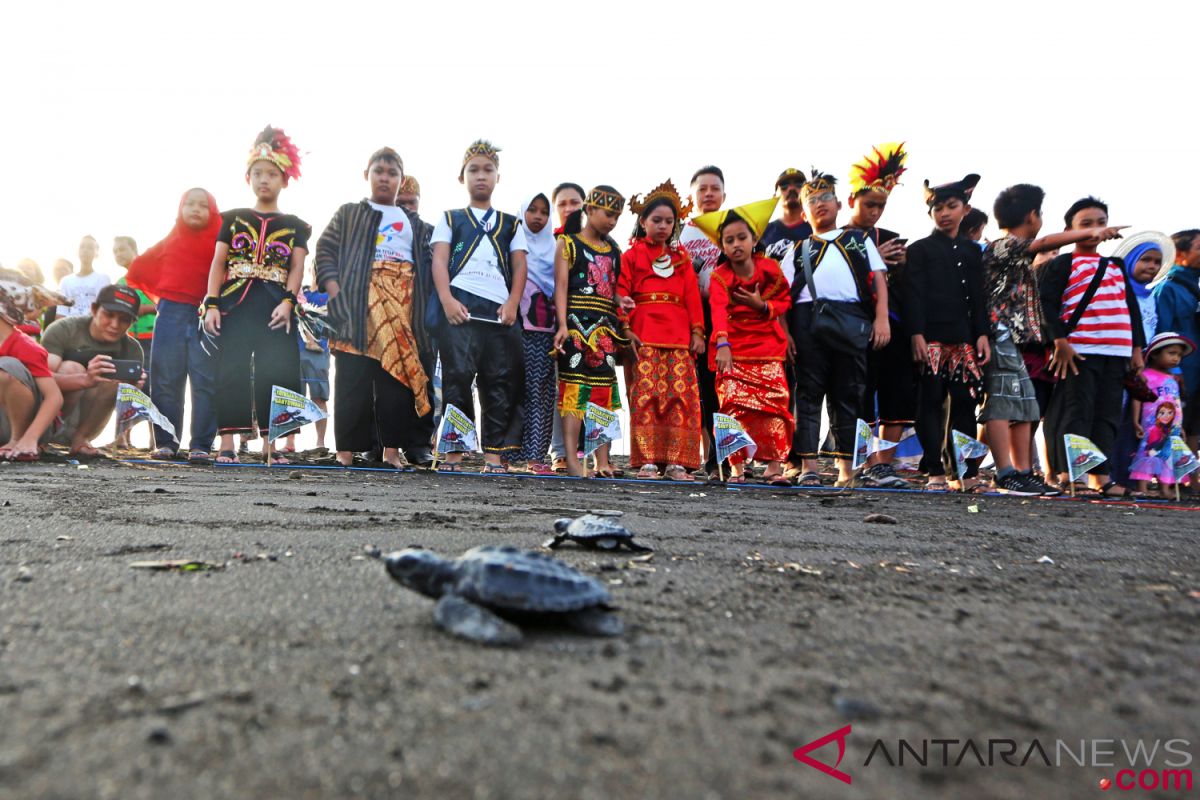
(540, 257)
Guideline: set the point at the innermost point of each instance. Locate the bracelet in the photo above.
(289, 297)
(212, 301)
(722, 344)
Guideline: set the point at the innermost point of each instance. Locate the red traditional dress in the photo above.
(664, 396)
(755, 391)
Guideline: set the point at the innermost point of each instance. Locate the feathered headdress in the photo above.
(275, 146)
(880, 170)
(480, 147)
(818, 183)
(667, 190)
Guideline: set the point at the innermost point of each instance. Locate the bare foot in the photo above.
(84, 449)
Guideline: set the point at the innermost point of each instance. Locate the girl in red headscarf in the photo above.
(175, 271)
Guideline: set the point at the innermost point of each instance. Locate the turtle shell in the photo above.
(590, 527)
(517, 580)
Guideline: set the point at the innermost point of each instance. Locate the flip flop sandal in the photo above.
(25, 458)
(809, 480)
(937, 486)
(163, 454)
(493, 469)
(649, 472)
(449, 468)
(229, 456)
(778, 480)
(975, 488)
(199, 457)
(736, 480)
(279, 460)
(536, 468)
(676, 472)
(1108, 491)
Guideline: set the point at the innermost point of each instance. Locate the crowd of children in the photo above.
(705, 309)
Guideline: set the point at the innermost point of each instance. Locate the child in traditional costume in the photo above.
(479, 276)
(374, 262)
(252, 284)
(176, 272)
(1157, 422)
(666, 329)
(586, 266)
(539, 321)
(748, 296)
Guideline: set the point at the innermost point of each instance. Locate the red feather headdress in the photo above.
(275, 146)
(880, 170)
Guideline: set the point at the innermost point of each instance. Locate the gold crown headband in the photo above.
(818, 183)
(610, 201)
(665, 189)
(482, 147)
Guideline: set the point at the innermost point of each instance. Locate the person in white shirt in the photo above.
(83, 286)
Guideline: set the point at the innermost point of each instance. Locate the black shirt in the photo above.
(944, 297)
(259, 238)
(778, 237)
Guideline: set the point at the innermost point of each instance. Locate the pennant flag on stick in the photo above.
(290, 411)
(1082, 455)
(966, 448)
(730, 437)
(600, 426)
(1183, 460)
(457, 432)
(133, 405)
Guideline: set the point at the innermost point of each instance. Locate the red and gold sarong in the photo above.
(664, 413)
(755, 393)
(390, 339)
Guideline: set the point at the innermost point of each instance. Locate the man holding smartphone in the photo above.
(89, 355)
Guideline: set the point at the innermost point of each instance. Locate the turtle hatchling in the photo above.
(597, 532)
(484, 591)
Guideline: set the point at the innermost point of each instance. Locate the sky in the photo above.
(113, 110)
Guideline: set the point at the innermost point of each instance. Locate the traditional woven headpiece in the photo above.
(961, 189)
(756, 215)
(880, 170)
(480, 147)
(273, 145)
(818, 183)
(601, 198)
(667, 190)
(410, 186)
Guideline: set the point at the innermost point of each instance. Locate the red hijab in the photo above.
(178, 265)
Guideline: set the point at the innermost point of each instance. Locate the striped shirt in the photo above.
(1105, 327)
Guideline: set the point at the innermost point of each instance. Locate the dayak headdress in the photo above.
(603, 198)
(273, 145)
(410, 186)
(943, 192)
(819, 182)
(756, 215)
(480, 147)
(880, 170)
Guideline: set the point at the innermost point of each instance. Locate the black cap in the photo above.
(791, 174)
(119, 300)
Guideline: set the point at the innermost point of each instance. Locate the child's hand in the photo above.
(212, 322)
(281, 317)
(893, 252)
(881, 332)
(560, 338)
(635, 343)
(508, 313)
(791, 349)
(920, 350)
(724, 360)
(627, 304)
(1138, 430)
(697, 346)
(748, 298)
(1063, 358)
(456, 312)
(983, 350)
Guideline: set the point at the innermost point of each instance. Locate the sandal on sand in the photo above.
(163, 454)
(809, 480)
(447, 467)
(736, 480)
(227, 457)
(676, 472)
(494, 469)
(937, 485)
(649, 472)
(537, 468)
(607, 472)
(1109, 490)
(560, 466)
(979, 487)
(279, 460)
(199, 457)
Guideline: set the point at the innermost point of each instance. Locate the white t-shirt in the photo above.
(395, 239)
(481, 274)
(83, 290)
(833, 277)
(703, 251)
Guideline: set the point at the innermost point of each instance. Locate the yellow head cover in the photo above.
(756, 215)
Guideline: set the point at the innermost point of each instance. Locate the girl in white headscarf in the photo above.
(537, 312)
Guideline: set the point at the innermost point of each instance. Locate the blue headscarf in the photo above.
(1131, 260)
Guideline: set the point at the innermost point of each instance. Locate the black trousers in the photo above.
(1087, 404)
(365, 395)
(824, 374)
(242, 401)
(933, 432)
(706, 379)
(493, 356)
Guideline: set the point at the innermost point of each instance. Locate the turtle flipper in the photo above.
(555, 542)
(638, 548)
(463, 618)
(594, 622)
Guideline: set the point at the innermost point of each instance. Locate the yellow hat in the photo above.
(756, 215)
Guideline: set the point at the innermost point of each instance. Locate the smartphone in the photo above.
(900, 242)
(127, 370)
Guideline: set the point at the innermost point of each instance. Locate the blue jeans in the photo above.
(176, 357)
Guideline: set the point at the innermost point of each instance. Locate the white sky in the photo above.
(111, 111)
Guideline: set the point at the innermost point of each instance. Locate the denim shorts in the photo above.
(1008, 391)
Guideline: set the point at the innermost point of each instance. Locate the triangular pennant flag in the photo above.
(1082, 455)
(457, 433)
(1183, 460)
(289, 411)
(600, 426)
(729, 436)
(909, 447)
(878, 445)
(966, 448)
(133, 405)
(862, 443)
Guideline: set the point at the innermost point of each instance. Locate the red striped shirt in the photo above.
(1105, 327)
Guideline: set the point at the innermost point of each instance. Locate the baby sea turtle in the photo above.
(480, 592)
(595, 531)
